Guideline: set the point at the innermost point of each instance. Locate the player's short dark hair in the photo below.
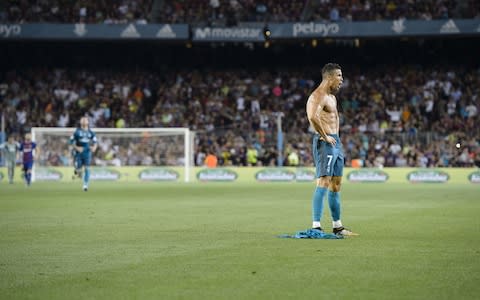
(329, 68)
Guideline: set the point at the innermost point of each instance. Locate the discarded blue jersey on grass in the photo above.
(312, 234)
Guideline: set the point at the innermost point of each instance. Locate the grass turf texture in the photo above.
(218, 241)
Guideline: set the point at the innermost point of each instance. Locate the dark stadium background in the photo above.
(156, 56)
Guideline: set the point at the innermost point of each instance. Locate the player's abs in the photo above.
(329, 122)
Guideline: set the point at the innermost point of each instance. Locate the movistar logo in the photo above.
(228, 33)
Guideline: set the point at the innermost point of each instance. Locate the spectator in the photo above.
(293, 159)
(471, 110)
(252, 155)
(211, 160)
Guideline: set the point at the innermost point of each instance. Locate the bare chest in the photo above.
(330, 105)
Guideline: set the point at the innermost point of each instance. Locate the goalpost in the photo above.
(149, 147)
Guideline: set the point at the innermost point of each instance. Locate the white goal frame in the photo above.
(186, 132)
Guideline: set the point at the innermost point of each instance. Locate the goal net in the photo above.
(149, 147)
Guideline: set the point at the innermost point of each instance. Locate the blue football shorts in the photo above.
(329, 159)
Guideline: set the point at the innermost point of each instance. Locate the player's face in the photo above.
(84, 122)
(336, 80)
(28, 137)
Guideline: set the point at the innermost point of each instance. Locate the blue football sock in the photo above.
(86, 176)
(334, 203)
(317, 203)
(28, 177)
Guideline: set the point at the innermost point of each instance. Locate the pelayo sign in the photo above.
(275, 175)
(101, 174)
(474, 177)
(158, 174)
(429, 176)
(305, 175)
(7, 30)
(216, 175)
(315, 29)
(47, 174)
(365, 175)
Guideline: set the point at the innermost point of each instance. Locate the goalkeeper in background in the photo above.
(84, 142)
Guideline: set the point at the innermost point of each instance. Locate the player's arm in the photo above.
(315, 105)
(93, 146)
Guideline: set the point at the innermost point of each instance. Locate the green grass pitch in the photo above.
(219, 241)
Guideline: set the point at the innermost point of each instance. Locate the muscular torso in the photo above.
(322, 109)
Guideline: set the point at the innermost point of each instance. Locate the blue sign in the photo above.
(393, 28)
(94, 31)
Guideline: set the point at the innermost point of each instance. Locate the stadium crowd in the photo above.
(79, 11)
(387, 119)
(355, 10)
(231, 12)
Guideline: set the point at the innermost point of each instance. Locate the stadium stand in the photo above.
(354, 10)
(392, 115)
(229, 13)
(82, 11)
